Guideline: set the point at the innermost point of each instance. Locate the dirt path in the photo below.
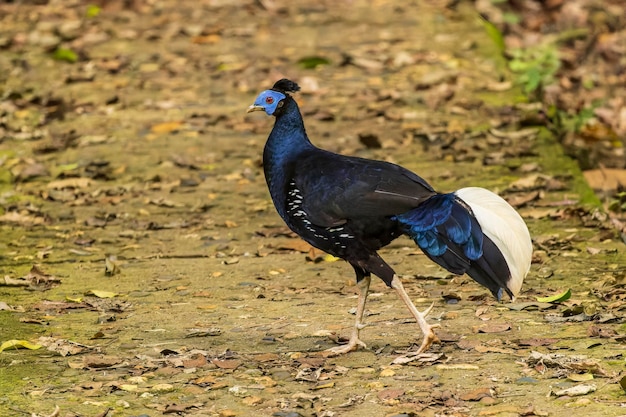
(140, 153)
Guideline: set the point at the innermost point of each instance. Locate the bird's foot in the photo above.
(427, 329)
(429, 338)
(352, 345)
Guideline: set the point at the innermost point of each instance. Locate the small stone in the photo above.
(162, 388)
(238, 391)
(253, 400)
(70, 29)
(375, 385)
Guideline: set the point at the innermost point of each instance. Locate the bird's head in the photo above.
(270, 101)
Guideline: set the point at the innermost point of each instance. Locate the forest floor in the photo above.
(145, 271)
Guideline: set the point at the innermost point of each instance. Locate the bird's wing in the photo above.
(335, 188)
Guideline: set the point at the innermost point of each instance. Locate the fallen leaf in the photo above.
(537, 342)
(390, 394)
(421, 357)
(213, 331)
(530, 305)
(72, 183)
(36, 279)
(322, 386)
(20, 218)
(580, 377)
(297, 245)
(101, 294)
(62, 346)
(17, 344)
(167, 127)
(311, 62)
(226, 363)
(476, 394)
(605, 179)
(582, 389)
(492, 328)
(557, 298)
(330, 258)
(100, 361)
(597, 331)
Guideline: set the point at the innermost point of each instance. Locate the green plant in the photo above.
(618, 202)
(536, 66)
(92, 11)
(65, 54)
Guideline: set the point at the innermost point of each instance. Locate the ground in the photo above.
(130, 175)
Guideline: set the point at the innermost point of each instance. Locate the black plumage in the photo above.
(351, 207)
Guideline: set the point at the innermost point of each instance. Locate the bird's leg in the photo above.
(353, 344)
(429, 335)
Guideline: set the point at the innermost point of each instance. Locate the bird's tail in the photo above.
(473, 231)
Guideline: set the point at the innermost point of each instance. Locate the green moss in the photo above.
(15, 366)
(555, 162)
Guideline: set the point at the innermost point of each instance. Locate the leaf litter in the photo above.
(121, 159)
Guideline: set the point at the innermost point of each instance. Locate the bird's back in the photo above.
(346, 205)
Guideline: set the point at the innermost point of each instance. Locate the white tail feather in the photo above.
(505, 227)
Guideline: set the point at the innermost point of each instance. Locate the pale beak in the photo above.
(255, 108)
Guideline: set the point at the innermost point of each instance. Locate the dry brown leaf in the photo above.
(166, 127)
(297, 245)
(63, 347)
(606, 179)
(73, 183)
(390, 394)
(20, 218)
(477, 394)
(492, 328)
(226, 363)
(100, 361)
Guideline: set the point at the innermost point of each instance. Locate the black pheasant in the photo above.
(350, 207)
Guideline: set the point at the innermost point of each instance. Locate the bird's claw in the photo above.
(429, 338)
(352, 345)
(428, 310)
(429, 335)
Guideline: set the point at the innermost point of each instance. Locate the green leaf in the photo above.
(101, 294)
(622, 383)
(510, 18)
(92, 11)
(556, 298)
(16, 344)
(64, 54)
(533, 80)
(494, 34)
(311, 62)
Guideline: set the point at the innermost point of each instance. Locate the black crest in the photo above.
(286, 86)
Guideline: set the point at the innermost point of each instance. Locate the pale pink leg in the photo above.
(354, 342)
(429, 335)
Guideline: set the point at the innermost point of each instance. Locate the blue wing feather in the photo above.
(441, 221)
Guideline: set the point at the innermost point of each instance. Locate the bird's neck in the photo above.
(286, 142)
(288, 137)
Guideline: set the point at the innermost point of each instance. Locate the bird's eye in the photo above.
(269, 100)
